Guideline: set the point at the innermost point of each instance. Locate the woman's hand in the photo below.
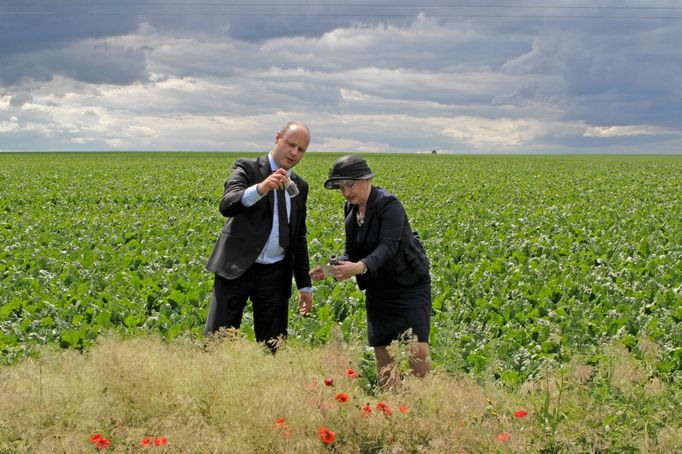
(346, 270)
(317, 273)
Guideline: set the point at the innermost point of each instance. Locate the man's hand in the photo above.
(276, 180)
(305, 302)
(317, 273)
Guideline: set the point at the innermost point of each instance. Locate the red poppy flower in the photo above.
(351, 373)
(146, 441)
(385, 409)
(520, 414)
(160, 441)
(328, 381)
(325, 435)
(342, 397)
(366, 411)
(280, 423)
(99, 441)
(503, 437)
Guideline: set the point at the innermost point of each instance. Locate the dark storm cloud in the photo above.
(85, 61)
(52, 29)
(47, 30)
(39, 40)
(260, 21)
(626, 72)
(101, 63)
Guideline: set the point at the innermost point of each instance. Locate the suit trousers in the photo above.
(269, 289)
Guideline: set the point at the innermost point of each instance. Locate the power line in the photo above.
(358, 5)
(464, 16)
(223, 9)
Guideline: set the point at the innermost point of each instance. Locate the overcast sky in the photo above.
(376, 76)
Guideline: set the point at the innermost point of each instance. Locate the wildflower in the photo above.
(160, 441)
(385, 409)
(325, 435)
(100, 442)
(95, 438)
(342, 398)
(280, 423)
(520, 414)
(403, 409)
(328, 381)
(366, 411)
(146, 441)
(351, 373)
(503, 437)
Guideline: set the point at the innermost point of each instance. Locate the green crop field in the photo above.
(535, 259)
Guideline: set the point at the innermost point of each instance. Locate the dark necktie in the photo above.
(283, 221)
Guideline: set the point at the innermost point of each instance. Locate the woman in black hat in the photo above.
(389, 263)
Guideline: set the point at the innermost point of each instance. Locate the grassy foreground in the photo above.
(228, 396)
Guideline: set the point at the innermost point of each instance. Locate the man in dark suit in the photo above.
(263, 242)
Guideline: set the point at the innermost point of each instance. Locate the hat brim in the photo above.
(333, 182)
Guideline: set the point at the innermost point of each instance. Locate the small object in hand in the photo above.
(333, 259)
(291, 188)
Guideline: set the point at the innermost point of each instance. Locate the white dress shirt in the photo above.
(272, 252)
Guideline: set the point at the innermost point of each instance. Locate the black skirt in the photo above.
(389, 316)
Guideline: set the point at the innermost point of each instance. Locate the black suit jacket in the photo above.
(247, 228)
(394, 256)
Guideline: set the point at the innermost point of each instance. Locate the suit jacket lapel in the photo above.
(264, 172)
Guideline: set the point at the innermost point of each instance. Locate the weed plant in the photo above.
(233, 396)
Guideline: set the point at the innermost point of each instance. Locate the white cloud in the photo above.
(626, 131)
(8, 126)
(340, 144)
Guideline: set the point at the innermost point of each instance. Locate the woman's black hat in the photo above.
(349, 167)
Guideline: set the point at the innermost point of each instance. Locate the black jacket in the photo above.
(394, 256)
(247, 228)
